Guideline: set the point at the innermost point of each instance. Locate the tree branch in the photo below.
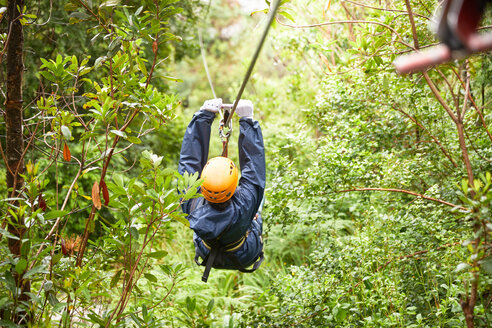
(432, 136)
(400, 39)
(384, 9)
(407, 192)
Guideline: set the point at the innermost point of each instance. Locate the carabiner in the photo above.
(226, 112)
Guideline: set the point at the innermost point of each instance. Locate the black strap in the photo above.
(255, 266)
(210, 262)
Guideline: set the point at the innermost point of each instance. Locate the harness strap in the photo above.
(229, 247)
(210, 261)
(257, 264)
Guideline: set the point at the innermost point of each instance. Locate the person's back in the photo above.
(228, 222)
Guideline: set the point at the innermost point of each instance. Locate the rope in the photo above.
(253, 61)
(204, 59)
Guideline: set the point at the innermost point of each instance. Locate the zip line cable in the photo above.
(227, 115)
(253, 61)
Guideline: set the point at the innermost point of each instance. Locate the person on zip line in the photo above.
(226, 221)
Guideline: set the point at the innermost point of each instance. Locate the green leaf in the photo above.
(97, 319)
(286, 15)
(66, 132)
(7, 323)
(210, 306)
(99, 61)
(153, 194)
(135, 319)
(79, 15)
(35, 270)
(141, 65)
(487, 265)
(134, 233)
(175, 79)
(180, 218)
(134, 140)
(190, 304)
(110, 3)
(464, 186)
(157, 254)
(59, 306)
(115, 279)
(167, 171)
(56, 258)
(116, 43)
(26, 247)
(8, 234)
(190, 193)
(48, 285)
(150, 277)
(55, 214)
(118, 133)
(21, 265)
(461, 267)
(48, 76)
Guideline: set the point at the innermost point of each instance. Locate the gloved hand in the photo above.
(245, 108)
(212, 105)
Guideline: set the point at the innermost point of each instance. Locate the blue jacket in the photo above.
(238, 218)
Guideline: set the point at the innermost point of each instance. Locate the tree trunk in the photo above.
(15, 140)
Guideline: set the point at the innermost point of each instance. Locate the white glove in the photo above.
(212, 105)
(245, 108)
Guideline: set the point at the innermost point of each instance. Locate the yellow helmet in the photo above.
(219, 176)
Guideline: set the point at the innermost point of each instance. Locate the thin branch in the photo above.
(384, 9)
(432, 136)
(450, 87)
(49, 17)
(484, 27)
(349, 22)
(477, 108)
(95, 15)
(410, 193)
(475, 149)
(416, 254)
(412, 23)
(439, 98)
(461, 114)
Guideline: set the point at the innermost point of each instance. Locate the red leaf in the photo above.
(66, 153)
(42, 203)
(154, 47)
(63, 247)
(105, 192)
(96, 199)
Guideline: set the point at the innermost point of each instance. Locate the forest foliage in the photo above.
(379, 188)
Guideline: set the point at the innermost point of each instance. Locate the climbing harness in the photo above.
(219, 255)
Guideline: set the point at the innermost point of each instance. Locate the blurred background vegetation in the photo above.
(359, 163)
